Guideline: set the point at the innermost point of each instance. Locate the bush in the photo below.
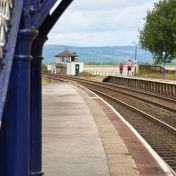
(86, 74)
(44, 68)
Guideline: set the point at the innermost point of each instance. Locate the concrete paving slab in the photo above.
(119, 159)
(71, 143)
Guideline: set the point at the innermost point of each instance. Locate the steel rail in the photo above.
(134, 96)
(137, 110)
(126, 88)
(160, 123)
(171, 130)
(156, 121)
(148, 116)
(143, 92)
(125, 93)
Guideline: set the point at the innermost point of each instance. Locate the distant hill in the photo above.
(102, 55)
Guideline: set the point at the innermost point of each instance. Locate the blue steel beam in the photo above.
(20, 136)
(44, 11)
(36, 108)
(36, 96)
(16, 120)
(9, 48)
(15, 132)
(51, 20)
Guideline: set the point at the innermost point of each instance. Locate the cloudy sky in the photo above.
(101, 22)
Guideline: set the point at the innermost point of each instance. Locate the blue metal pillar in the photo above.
(15, 132)
(20, 133)
(2, 148)
(36, 108)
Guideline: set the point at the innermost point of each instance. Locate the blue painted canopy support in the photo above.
(36, 99)
(36, 108)
(16, 121)
(20, 133)
(8, 58)
(51, 20)
(44, 10)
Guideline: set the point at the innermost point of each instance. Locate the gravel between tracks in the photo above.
(163, 142)
(159, 113)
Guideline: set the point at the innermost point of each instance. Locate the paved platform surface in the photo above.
(82, 138)
(71, 143)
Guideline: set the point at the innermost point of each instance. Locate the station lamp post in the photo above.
(164, 64)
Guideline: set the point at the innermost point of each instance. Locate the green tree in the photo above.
(44, 68)
(159, 32)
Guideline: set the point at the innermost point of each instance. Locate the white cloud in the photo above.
(101, 22)
(96, 5)
(94, 38)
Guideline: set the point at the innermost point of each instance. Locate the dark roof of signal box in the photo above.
(66, 53)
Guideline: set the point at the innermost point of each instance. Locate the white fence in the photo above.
(108, 71)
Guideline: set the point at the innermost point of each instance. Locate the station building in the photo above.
(67, 63)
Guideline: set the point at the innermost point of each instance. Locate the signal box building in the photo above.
(67, 63)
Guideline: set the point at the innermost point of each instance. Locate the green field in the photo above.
(100, 66)
(168, 76)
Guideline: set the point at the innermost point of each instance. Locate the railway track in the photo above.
(157, 100)
(157, 128)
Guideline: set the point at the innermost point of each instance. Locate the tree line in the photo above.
(159, 33)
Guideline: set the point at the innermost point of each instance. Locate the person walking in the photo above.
(129, 65)
(121, 68)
